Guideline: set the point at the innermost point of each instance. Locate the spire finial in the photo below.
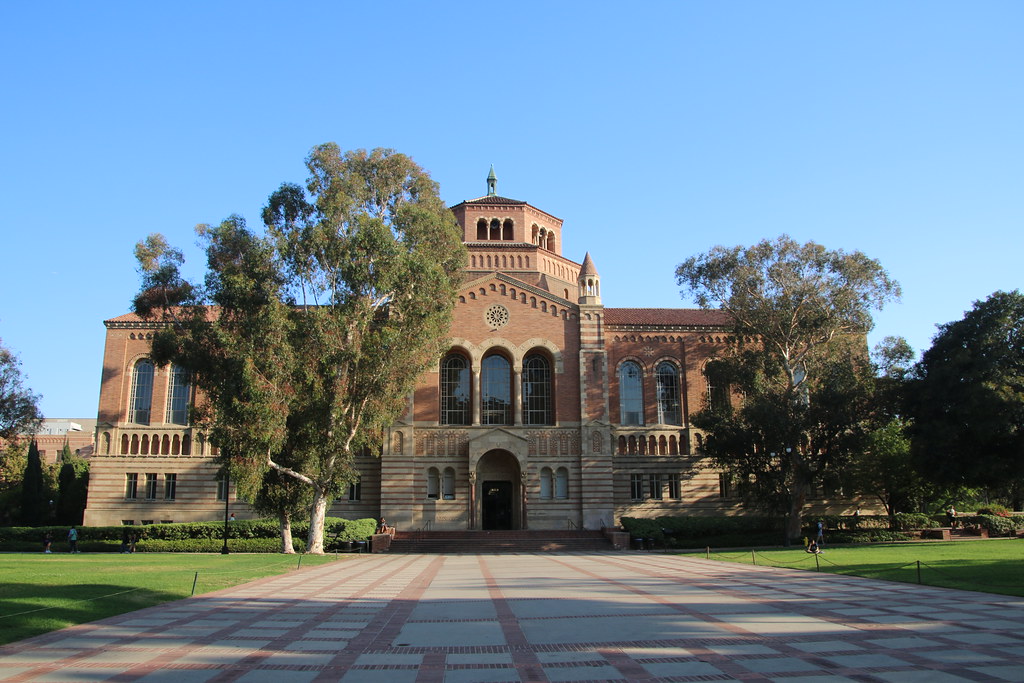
(492, 183)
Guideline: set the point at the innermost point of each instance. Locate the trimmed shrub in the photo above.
(905, 521)
(184, 536)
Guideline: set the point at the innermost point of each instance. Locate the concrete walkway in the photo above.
(575, 617)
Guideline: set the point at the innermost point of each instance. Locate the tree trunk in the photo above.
(286, 534)
(315, 541)
(794, 522)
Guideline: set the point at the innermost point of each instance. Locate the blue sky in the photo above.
(655, 132)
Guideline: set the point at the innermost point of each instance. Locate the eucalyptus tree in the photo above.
(306, 340)
(800, 313)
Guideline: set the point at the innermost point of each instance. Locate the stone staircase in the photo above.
(539, 541)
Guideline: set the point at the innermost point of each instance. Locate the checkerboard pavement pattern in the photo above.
(544, 617)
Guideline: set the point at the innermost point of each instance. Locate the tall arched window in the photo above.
(537, 391)
(546, 483)
(718, 387)
(562, 483)
(631, 394)
(178, 392)
(142, 393)
(496, 391)
(455, 391)
(433, 483)
(669, 411)
(448, 484)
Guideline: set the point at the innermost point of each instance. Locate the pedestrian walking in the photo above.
(73, 539)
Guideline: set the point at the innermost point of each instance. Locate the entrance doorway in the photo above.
(498, 493)
(497, 505)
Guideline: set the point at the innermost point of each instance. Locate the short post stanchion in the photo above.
(194, 582)
(299, 565)
(817, 564)
(708, 553)
(919, 572)
(753, 560)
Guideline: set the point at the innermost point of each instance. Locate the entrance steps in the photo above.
(531, 541)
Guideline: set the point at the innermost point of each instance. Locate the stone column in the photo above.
(476, 396)
(472, 501)
(517, 396)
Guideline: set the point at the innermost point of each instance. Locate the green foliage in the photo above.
(72, 487)
(35, 505)
(256, 535)
(307, 340)
(698, 532)
(904, 521)
(799, 313)
(19, 407)
(968, 402)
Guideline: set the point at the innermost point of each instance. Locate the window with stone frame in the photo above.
(141, 398)
(456, 399)
(179, 391)
(537, 394)
(496, 390)
(131, 485)
(669, 406)
(631, 394)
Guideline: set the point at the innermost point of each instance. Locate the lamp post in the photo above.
(227, 491)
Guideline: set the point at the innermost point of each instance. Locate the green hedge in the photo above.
(256, 535)
(698, 532)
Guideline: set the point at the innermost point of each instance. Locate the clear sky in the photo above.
(655, 131)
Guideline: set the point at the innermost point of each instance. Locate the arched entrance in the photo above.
(500, 490)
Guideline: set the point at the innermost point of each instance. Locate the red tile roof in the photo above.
(666, 317)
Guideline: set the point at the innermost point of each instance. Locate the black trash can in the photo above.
(637, 543)
(361, 546)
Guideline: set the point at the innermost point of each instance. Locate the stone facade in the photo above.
(548, 411)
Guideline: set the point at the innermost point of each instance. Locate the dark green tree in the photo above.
(800, 313)
(19, 407)
(968, 399)
(307, 340)
(72, 487)
(35, 504)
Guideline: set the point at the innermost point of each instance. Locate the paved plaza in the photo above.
(544, 617)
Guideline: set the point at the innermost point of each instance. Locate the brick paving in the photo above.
(544, 617)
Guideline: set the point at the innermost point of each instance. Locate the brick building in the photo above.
(547, 411)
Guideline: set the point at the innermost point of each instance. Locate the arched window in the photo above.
(455, 391)
(537, 391)
(433, 483)
(142, 393)
(546, 482)
(561, 483)
(496, 390)
(448, 484)
(631, 394)
(506, 229)
(495, 229)
(719, 391)
(178, 392)
(481, 229)
(669, 411)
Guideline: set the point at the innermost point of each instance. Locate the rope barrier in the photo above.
(819, 558)
(98, 597)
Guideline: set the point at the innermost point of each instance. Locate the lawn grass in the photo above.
(41, 593)
(993, 566)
